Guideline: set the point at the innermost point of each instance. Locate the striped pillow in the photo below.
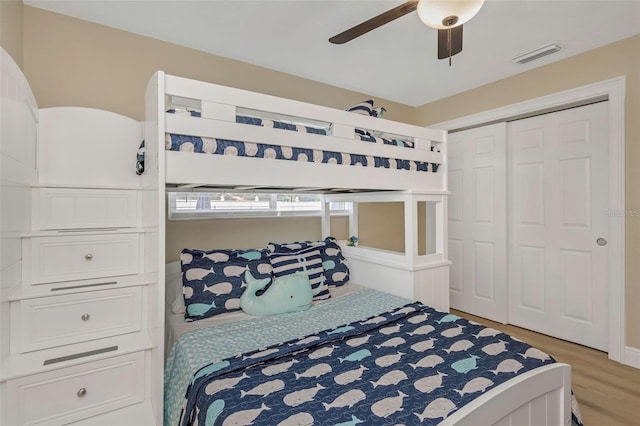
(288, 263)
(364, 108)
(334, 264)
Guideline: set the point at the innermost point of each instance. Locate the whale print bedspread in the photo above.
(411, 365)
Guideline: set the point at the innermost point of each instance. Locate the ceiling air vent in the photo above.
(534, 54)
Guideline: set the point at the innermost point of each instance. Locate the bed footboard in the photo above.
(538, 397)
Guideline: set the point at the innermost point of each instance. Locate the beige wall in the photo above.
(381, 225)
(11, 28)
(70, 62)
(617, 59)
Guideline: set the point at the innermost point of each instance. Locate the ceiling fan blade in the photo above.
(456, 42)
(374, 22)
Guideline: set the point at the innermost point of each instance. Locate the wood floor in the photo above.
(608, 393)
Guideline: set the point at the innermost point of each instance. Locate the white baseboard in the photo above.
(632, 357)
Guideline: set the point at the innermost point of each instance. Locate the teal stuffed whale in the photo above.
(291, 293)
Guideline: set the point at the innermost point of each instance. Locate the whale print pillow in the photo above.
(213, 281)
(334, 264)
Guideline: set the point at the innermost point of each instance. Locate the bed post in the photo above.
(410, 227)
(325, 218)
(153, 206)
(353, 219)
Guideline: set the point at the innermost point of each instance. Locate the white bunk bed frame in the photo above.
(219, 106)
(539, 397)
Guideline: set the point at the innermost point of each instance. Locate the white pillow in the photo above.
(177, 307)
(173, 287)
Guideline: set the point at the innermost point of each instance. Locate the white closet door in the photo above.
(477, 221)
(557, 199)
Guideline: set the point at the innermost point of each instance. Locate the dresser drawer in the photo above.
(70, 208)
(52, 321)
(74, 393)
(76, 257)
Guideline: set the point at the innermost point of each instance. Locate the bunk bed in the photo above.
(370, 353)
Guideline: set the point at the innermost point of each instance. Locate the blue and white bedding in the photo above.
(186, 143)
(368, 358)
(361, 134)
(195, 349)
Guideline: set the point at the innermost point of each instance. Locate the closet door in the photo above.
(477, 221)
(558, 268)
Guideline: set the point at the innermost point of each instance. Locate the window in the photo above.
(207, 205)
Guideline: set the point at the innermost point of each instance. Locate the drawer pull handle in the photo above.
(81, 392)
(79, 355)
(88, 256)
(85, 317)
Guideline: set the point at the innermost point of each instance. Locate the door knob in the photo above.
(601, 242)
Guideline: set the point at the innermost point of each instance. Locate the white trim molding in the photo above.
(632, 357)
(614, 91)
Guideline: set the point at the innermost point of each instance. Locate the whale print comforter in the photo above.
(410, 365)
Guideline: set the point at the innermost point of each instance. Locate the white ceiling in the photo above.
(397, 61)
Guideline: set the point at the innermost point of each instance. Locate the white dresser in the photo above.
(81, 347)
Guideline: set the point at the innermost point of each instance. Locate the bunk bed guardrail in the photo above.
(388, 154)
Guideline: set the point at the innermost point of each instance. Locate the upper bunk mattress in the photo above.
(197, 144)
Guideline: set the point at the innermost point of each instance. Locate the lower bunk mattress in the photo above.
(365, 358)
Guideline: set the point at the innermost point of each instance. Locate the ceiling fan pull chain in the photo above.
(449, 44)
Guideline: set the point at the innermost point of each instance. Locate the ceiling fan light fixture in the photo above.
(443, 14)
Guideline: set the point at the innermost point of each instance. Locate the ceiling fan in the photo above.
(447, 16)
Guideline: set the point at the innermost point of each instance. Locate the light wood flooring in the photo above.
(608, 393)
